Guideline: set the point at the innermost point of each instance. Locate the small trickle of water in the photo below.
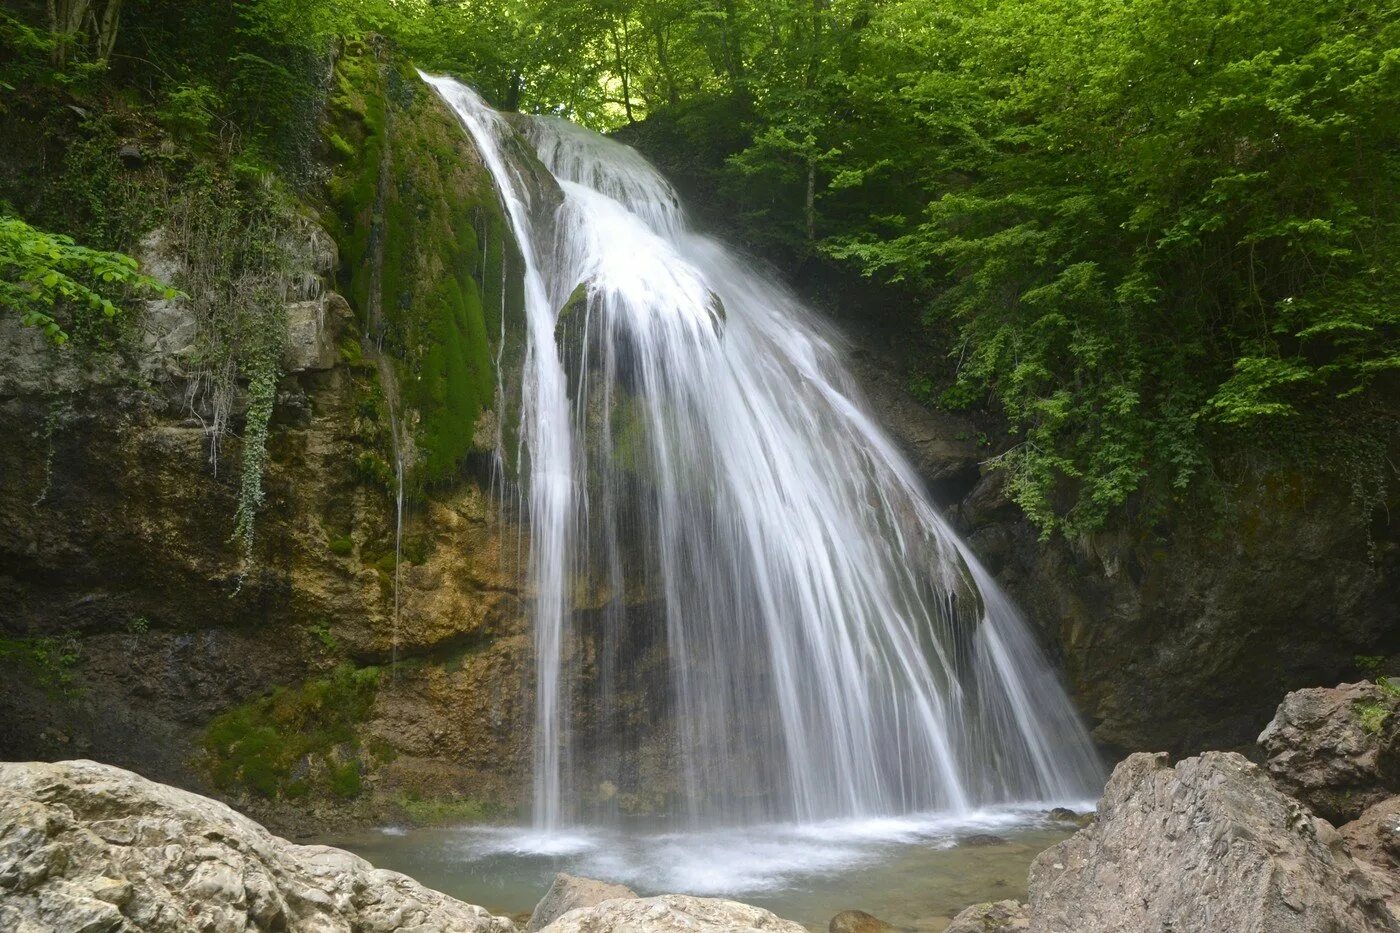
(744, 604)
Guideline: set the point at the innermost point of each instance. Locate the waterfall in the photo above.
(740, 590)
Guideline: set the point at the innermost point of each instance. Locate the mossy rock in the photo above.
(428, 258)
(297, 740)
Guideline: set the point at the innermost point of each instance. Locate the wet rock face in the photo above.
(1178, 633)
(85, 846)
(129, 621)
(1209, 844)
(671, 912)
(1337, 749)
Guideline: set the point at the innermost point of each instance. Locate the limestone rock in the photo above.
(86, 846)
(314, 327)
(570, 892)
(857, 921)
(1210, 844)
(1337, 749)
(1000, 917)
(671, 912)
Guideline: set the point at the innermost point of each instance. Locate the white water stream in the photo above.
(741, 592)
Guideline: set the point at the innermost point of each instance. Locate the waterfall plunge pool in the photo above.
(914, 872)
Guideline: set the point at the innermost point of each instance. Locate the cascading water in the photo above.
(732, 567)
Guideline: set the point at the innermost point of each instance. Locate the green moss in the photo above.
(425, 242)
(50, 661)
(440, 811)
(1372, 715)
(295, 740)
(342, 546)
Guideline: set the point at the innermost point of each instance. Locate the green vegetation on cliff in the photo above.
(423, 245)
(1158, 237)
(297, 740)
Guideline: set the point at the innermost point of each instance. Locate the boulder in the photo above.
(1000, 917)
(1337, 749)
(671, 912)
(980, 840)
(570, 892)
(1210, 844)
(857, 921)
(1375, 836)
(86, 846)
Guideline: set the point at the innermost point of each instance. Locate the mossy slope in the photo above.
(426, 253)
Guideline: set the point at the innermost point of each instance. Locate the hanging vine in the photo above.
(240, 254)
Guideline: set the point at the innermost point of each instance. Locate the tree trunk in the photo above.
(107, 31)
(811, 211)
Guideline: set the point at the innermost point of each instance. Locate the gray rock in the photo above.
(857, 921)
(671, 912)
(569, 892)
(1066, 815)
(1336, 748)
(92, 848)
(1000, 917)
(979, 840)
(313, 333)
(1210, 844)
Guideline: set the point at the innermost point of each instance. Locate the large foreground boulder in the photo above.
(672, 912)
(92, 848)
(1210, 844)
(570, 892)
(1337, 749)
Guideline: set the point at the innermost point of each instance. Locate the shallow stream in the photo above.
(914, 872)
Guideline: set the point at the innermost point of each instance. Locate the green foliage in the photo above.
(1155, 233)
(297, 740)
(262, 394)
(1158, 236)
(1372, 715)
(1369, 664)
(52, 282)
(189, 110)
(52, 661)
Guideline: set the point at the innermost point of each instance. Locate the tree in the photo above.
(42, 274)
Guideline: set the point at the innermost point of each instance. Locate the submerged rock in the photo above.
(1209, 844)
(979, 840)
(857, 921)
(570, 892)
(671, 912)
(1337, 749)
(86, 846)
(1066, 815)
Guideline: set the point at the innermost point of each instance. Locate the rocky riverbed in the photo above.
(1213, 842)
